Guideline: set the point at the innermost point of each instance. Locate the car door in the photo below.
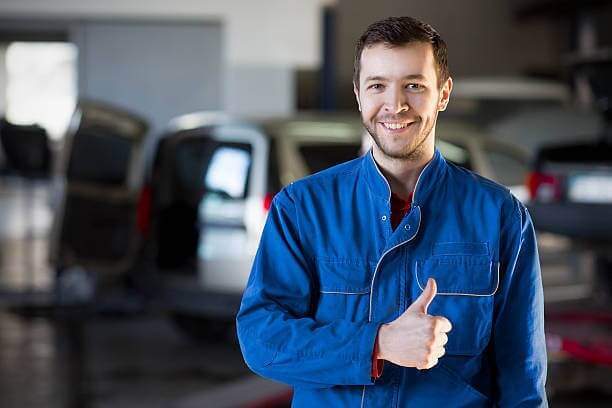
(230, 211)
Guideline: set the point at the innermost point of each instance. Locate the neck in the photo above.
(402, 174)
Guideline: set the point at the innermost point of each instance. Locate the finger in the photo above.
(441, 340)
(431, 363)
(440, 352)
(442, 325)
(425, 298)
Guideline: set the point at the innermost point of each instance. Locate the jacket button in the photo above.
(407, 227)
(384, 218)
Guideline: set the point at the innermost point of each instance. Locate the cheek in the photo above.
(370, 107)
(420, 103)
(425, 102)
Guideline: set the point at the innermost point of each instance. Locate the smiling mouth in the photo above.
(396, 126)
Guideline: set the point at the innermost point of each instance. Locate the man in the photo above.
(398, 257)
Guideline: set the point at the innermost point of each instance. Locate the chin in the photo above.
(413, 151)
(398, 153)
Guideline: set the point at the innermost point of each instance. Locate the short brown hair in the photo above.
(398, 31)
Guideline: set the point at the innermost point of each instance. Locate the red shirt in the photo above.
(399, 208)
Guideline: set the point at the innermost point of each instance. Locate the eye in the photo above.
(376, 87)
(414, 87)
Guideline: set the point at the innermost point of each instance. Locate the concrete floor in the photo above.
(62, 361)
(25, 222)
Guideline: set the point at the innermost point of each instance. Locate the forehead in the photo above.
(397, 62)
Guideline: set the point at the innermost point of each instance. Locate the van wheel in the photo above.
(204, 329)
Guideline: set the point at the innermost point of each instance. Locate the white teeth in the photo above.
(395, 126)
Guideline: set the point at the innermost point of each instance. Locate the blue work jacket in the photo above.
(330, 269)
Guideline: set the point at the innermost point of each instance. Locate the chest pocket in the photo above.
(344, 290)
(467, 283)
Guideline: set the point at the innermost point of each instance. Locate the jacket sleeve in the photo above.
(279, 337)
(519, 343)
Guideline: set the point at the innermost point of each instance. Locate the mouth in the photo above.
(395, 126)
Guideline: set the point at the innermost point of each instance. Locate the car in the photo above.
(205, 202)
(570, 190)
(93, 241)
(570, 195)
(570, 184)
(523, 111)
(211, 184)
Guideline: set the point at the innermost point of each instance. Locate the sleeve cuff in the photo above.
(377, 364)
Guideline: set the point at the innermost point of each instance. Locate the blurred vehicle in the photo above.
(93, 237)
(24, 150)
(570, 186)
(522, 111)
(204, 206)
(212, 182)
(571, 190)
(476, 149)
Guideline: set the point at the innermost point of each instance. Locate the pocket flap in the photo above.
(343, 276)
(458, 275)
(461, 248)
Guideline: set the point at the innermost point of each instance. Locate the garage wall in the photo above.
(262, 31)
(262, 40)
(159, 70)
(260, 90)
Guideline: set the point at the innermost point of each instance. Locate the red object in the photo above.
(596, 352)
(538, 183)
(143, 211)
(377, 364)
(399, 208)
(267, 202)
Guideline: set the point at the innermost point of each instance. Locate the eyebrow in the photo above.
(380, 78)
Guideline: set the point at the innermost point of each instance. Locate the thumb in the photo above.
(422, 302)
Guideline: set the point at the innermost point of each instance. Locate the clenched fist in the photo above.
(415, 339)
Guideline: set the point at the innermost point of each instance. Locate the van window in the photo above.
(99, 156)
(218, 168)
(228, 172)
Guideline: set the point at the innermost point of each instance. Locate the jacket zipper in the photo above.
(390, 249)
(401, 243)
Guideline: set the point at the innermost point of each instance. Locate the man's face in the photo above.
(399, 98)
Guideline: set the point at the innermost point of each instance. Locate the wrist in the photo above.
(383, 333)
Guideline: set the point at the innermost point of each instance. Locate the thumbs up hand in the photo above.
(415, 339)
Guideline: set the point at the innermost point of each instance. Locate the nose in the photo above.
(397, 101)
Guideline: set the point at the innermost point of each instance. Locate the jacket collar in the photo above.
(431, 174)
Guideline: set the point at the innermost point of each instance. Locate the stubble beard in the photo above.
(413, 152)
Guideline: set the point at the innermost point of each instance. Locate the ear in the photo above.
(445, 94)
(356, 92)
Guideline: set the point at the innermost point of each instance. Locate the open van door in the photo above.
(94, 238)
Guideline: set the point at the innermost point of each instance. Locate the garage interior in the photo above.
(95, 97)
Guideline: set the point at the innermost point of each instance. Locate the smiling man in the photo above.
(398, 279)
